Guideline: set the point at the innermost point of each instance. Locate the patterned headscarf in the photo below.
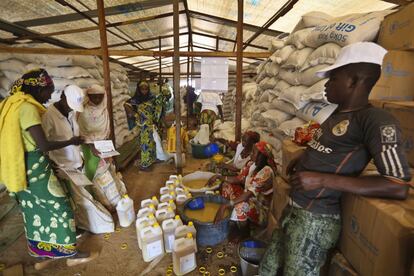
(139, 97)
(33, 78)
(266, 150)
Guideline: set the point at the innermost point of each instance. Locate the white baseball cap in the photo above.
(75, 96)
(367, 52)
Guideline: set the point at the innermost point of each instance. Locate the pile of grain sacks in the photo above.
(83, 71)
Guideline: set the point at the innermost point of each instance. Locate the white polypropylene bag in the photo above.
(276, 44)
(203, 135)
(326, 54)
(288, 127)
(281, 85)
(281, 55)
(161, 154)
(316, 111)
(294, 95)
(275, 117)
(284, 106)
(297, 59)
(347, 29)
(308, 77)
(312, 19)
(290, 76)
(297, 38)
(272, 69)
(317, 91)
(13, 65)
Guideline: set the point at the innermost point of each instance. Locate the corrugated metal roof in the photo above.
(256, 13)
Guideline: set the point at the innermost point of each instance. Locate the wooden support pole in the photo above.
(177, 96)
(160, 66)
(105, 61)
(188, 87)
(239, 70)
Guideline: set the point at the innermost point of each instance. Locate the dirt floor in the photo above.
(114, 260)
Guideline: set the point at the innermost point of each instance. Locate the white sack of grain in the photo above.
(280, 86)
(312, 19)
(317, 91)
(294, 95)
(297, 38)
(308, 77)
(297, 59)
(347, 29)
(326, 54)
(275, 117)
(72, 72)
(276, 44)
(316, 111)
(290, 76)
(13, 65)
(281, 55)
(272, 69)
(284, 106)
(288, 127)
(268, 83)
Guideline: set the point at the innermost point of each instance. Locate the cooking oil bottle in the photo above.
(168, 228)
(164, 214)
(143, 212)
(152, 242)
(141, 223)
(184, 259)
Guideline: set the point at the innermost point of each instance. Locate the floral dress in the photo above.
(147, 116)
(256, 207)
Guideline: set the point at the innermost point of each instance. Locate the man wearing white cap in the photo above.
(338, 153)
(60, 123)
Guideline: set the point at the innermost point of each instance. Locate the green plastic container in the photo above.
(198, 150)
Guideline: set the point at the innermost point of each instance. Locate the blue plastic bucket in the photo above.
(209, 233)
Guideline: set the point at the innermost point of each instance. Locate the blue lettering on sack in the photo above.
(390, 71)
(345, 27)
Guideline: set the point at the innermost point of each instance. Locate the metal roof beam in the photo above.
(114, 10)
(231, 23)
(190, 30)
(227, 39)
(142, 40)
(281, 12)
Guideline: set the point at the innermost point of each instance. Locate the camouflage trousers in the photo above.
(301, 245)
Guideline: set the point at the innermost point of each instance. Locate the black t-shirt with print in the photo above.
(344, 145)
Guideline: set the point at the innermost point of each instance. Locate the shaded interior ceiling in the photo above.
(211, 25)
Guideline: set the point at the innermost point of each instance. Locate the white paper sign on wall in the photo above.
(214, 74)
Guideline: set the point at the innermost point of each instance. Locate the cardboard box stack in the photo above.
(397, 36)
(378, 235)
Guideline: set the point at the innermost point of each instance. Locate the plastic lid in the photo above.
(171, 201)
(189, 235)
(152, 206)
(151, 216)
(190, 223)
(177, 217)
(125, 196)
(154, 198)
(156, 225)
(172, 193)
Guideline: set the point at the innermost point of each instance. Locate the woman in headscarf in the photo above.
(250, 192)
(26, 171)
(93, 126)
(147, 111)
(243, 151)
